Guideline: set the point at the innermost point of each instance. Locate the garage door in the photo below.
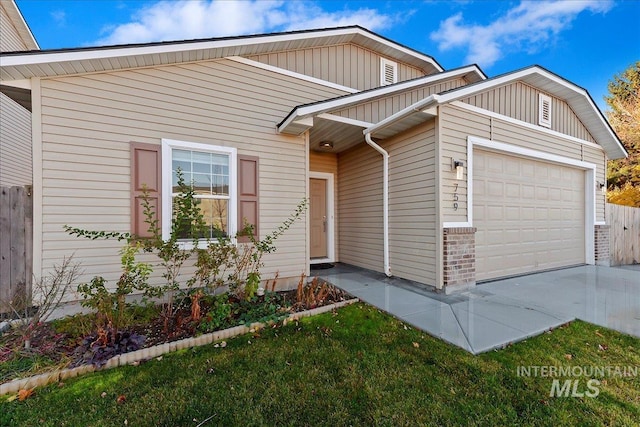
(529, 215)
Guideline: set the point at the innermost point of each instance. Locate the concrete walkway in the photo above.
(498, 313)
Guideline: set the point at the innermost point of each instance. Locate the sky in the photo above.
(586, 42)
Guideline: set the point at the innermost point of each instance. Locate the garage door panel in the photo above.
(529, 215)
(512, 190)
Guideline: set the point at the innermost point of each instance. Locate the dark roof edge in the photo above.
(215, 39)
(604, 119)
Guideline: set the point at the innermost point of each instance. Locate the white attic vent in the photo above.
(544, 110)
(388, 72)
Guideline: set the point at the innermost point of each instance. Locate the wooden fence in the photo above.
(16, 254)
(624, 237)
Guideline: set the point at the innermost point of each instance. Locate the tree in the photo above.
(623, 175)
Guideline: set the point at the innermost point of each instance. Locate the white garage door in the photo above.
(529, 215)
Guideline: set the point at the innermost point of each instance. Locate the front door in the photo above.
(318, 208)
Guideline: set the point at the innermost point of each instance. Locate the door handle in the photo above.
(324, 223)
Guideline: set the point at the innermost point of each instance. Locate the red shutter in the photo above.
(248, 199)
(146, 167)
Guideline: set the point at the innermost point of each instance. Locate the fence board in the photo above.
(624, 237)
(5, 247)
(16, 255)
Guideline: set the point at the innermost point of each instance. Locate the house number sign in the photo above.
(455, 197)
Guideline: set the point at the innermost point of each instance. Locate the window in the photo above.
(544, 110)
(388, 72)
(211, 170)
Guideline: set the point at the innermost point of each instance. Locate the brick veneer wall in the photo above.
(459, 245)
(601, 236)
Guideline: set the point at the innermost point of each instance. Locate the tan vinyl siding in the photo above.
(347, 64)
(595, 156)
(412, 224)
(89, 121)
(10, 39)
(457, 124)
(15, 143)
(360, 205)
(412, 206)
(328, 163)
(379, 109)
(520, 101)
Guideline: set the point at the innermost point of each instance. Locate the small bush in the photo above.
(270, 307)
(219, 315)
(98, 348)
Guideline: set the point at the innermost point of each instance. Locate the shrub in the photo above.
(50, 291)
(110, 306)
(311, 295)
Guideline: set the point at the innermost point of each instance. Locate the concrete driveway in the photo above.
(497, 313)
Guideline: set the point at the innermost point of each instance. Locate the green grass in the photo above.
(354, 367)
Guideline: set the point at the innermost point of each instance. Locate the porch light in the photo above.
(603, 188)
(328, 145)
(458, 166)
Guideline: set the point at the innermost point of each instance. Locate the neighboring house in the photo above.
(15, 120)
(442, 177)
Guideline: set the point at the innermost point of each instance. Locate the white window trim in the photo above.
(167, 195)
(542, 99)
(589, 184)
(383, 63)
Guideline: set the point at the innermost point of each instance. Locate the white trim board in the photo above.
(293, 74)
(345, 120)
(500, 147)
(345, 101)
(331, 247)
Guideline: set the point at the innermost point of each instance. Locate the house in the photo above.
(442, 177)
(15, 120)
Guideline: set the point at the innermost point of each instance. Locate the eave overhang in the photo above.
(16, 18)
(577, 97)
(300, 119)
(51, 63)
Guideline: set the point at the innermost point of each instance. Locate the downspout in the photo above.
(385, 199)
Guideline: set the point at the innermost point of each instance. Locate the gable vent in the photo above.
(388, 72)
(544, 110)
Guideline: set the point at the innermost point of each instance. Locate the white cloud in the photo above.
(60, 17)
(529, 27)
(191, 19)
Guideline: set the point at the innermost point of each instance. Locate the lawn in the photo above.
(356, 366)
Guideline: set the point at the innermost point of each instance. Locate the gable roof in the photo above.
(288, 125)
(577, 97)
(16, 18)
(24, 65)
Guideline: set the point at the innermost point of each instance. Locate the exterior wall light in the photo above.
(603, 188)
(328, 145)
(458, 167)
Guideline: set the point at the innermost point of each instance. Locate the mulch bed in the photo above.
(59, 348)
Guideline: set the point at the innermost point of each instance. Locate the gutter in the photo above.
(385, 198)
